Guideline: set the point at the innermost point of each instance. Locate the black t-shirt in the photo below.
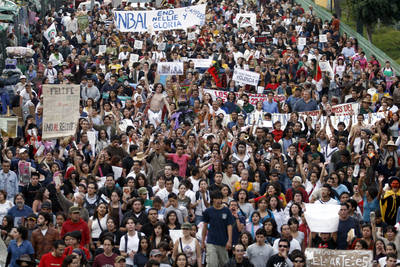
(317, 242)
(29, 191)
(277, 261)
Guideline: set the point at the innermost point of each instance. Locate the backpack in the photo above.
(126, 240)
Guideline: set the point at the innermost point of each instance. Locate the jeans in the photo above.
(5, 101)
(216, 255)
(198, 219)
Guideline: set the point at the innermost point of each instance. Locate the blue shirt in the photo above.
(368, 207)
(18, 214)
(302, 106)
(270, 107)
(218, 220)
(17, 251)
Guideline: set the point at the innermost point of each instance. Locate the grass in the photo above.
(385, 38)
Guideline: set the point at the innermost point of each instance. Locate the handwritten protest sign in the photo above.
(246, 20)
(133, 57)
(160, 20)
(170, 68)
(60, 110)
(317, 257)
(253, 98)
(246, 77)
(201, 62)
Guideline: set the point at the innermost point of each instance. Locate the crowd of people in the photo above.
(181, 177)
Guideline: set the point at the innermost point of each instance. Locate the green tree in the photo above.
(370, 12)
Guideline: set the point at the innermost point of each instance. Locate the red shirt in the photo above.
(182, 161)
(82, 226)
(48, 260)
(102, 260)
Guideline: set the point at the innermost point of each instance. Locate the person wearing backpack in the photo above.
(129, 244)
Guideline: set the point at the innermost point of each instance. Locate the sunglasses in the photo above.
(298, 261)
(283, 246)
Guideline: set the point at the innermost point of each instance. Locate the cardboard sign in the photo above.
(60, 110)
(191, 36)
(319, 257)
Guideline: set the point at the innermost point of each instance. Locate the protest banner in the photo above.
(9, 126)
(161, 46)
(160, 20)
(246, 77)
(320, 257)
(201, 62)
(322, 218)
(346, 109)
(170, 68)
(253, 98)
(51, 32)
(60, 110)
(246, 20)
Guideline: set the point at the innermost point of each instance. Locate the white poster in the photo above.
(322, 218)
(253, 98)
(9, 126)
(191, 36)
(246, 20)
(60, 110)
(92, 141)
(102, 49)
(134, 58)
(170, 68)
(302, 41)
(138, 44)
(201, 62)
(323, 38)
(161, 47)
(246, 77)
(160, 20)
(51, 32)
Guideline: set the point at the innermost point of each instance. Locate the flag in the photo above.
(214, 71)
(317, 73)
(51, 32)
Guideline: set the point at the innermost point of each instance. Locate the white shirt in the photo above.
(163, 194)
(133, 245)
(294, 244)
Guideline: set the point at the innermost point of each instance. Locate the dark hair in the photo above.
(58, 243)
(261, 231)
(109, 238)
(216, 195)
(148, 245)
(10, 223)
(178, 225)
(23, 231)
(68, 260)
(284, 240)
(249, 237)
(177, 256)
(275, 232)
(40, 193)
(364, 244)
(46, 216)
(96, 214)
(151, 263)
(300, 209)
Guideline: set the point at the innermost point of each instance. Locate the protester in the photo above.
(232, 125)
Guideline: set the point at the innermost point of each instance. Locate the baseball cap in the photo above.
(74, 209)
(155, 252)
(119, 259)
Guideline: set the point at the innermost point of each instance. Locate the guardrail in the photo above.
(366, 45)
